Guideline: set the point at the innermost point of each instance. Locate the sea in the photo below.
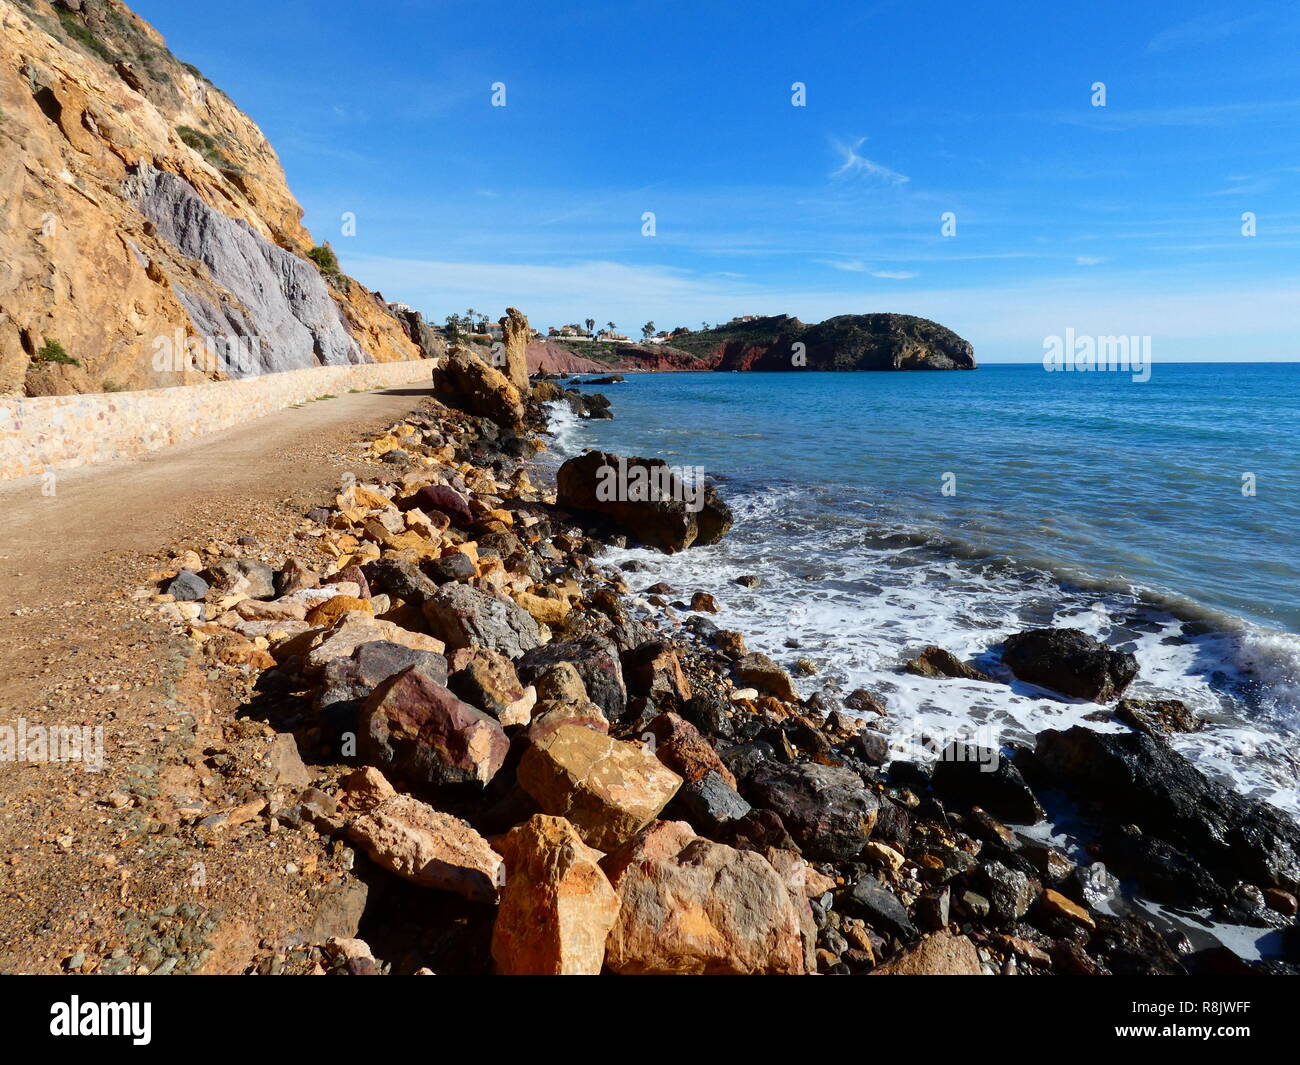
(884, 512)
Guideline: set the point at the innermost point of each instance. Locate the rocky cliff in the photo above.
(148, 236)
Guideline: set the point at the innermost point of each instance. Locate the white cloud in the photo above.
(853, 163)
(893, 275)
(1089, 260)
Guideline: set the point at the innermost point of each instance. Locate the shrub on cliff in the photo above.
(53, 351)
(323, 256)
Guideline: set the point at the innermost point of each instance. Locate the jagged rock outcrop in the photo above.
(515, 332)
(89, 97)
(849, 342)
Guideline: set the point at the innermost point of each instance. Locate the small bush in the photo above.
(323, 256)
(53, 351)
(82, 34)
(196, 138)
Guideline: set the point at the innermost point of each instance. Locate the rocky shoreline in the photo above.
(531, 776)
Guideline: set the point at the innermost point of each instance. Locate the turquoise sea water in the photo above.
(887, 511)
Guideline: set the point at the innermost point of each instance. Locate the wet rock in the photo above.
(1139, 779)
(557, 907)
(936, 662)
(609, 790)
(981, 776)
(465, 617)
(1010, 892)
(880, 908)
(1132, 947)
(429, 848)
(692, 906)
(1054, 904)
(413, 726)
(827, 809)
(941, 954)
(761, 672)
(1157, 716)
(864, 702)
(1093, 885)
(645, 497)
(743, 759)
(1071, 662)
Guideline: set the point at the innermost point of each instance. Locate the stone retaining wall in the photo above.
(61, 432)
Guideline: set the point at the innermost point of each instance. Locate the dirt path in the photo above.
(104, 871)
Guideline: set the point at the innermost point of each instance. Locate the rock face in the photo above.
(645, 497)
(481, 389)
(1070, 662)
(116, 172)
(608, 789)
(557, 907)
(515, 334)
(691, 906)
(1140, 780)
(429, 848)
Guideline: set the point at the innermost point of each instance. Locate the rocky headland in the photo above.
(528, 764)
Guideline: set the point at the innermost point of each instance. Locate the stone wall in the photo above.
(61, 432)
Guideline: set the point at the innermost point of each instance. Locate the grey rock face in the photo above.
(281, 302)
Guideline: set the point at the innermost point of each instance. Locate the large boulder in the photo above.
(488, 680)
(1139, 779)
(597, 663)
(557, 907)
(515, 334)
(826, 809)
(429, 848)
(415, 727)
(465, 617)
(646, 497)
(481, 389)
(691, 906)
(1070, 662)
(981, 776)
(608, 789)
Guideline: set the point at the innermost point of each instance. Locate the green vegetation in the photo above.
(323, 256)
(209, 147)
(112, 386)
(82, 34)
(53, 351)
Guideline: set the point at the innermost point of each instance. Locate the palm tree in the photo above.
(591, 325)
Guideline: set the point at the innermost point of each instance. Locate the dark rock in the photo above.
(645, 497)
(463, 617)
(980, 776)
(827, 809)
(871, 746)
(402, 579)
(451, 569)
(880, 908)
(1139, 779)
(936, 662)
(1071, 662)
(260, 576)
(1010, 892)
(1092, 885)
(597, 662)
(1131, 947)
(744, 758)
(654, 671)
(1155, 716)
(864, 702)
(707, 805)
(186, 587)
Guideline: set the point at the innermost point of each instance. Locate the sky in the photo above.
(1122, 219)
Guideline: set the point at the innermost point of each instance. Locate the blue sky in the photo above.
(1123, 219)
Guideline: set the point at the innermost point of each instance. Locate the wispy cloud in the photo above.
(1205, 29)
(1089, 260)
(852, 163)
(857, 266)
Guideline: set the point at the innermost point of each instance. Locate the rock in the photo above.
(1139, 779)
(941, 954)
(864, 702)
(414, 726)
(488, 680)
(366, 788)
(271, 610)
(284, 763)
(544, 609)
(227, 573)
(692, 906)
(294, 577)
(936, 662)
(880, 908)
(597, 662)
(429, 848)
(346, 682)
(352, 630)
(679, 745)
(481, 389)
(707, 804)
(761, 672)
(560, 683)
(466, 617)
(827, 809)
(441, 499)
(1054, 904)
(1155, 716)
(653, 671)
(704, 603)
(515, 334)
(980, 776)
(186, 587)
(645, 497)
(331, 610)
(402, 579)
(609, 790)
(451, 569)
(1071, 662)
(1010, 892)
(557, 907)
